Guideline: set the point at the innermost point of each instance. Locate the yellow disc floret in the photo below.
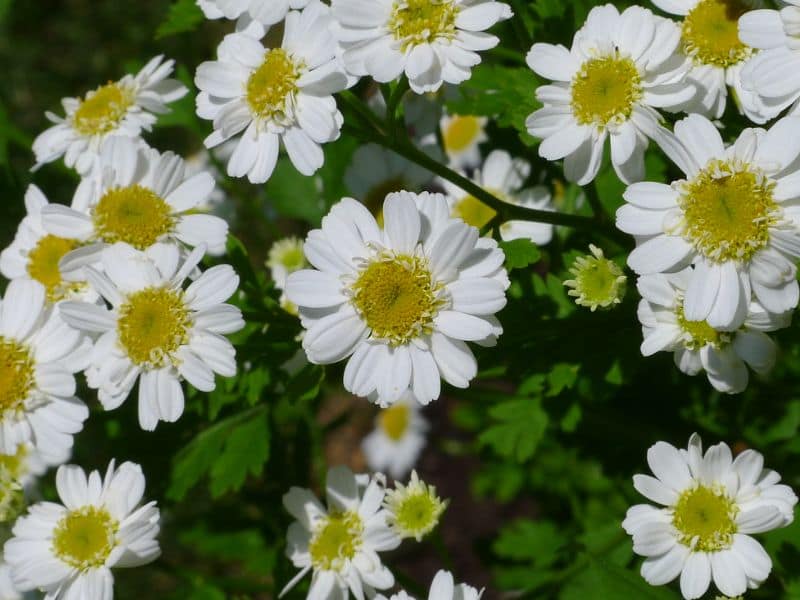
(605, 90)
(706, 519)
(135, 215)
(102, 110)
(414, 510)
(43, 262)
(597, 281)
(710, 33)
(461, 132)
(17, 375)
(271, 87)
(84, 538)
(397, 297)
(473, 212)
(394, 421)
(153, 323)
(415, 22)
(335, 540)
(16, 465)
(698, 334)
(728, 210)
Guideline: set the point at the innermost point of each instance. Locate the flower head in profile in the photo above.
(597, 281)
(68, 550)
(709, 507)
(399, 436)
(122, 108)
(269, 96)
(340, 544)
(608, 86)
(400, 302)
(431, 41)
(733, 218)
(413, 510)
(156, 331)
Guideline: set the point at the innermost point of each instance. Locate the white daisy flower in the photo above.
(267, 12)
(123, 108)
(403, 300)
(68, 550)
(430, 41)
(340, 544)
(413, 510)
(442, 588)
(39, 353)
(772, 74)
(620, 69)
(286, 256)
(734, 217)
(157, 332)
(710, 38)
(462, 136)
(35, 254)
(7, 589)
(274, 94)
(398, 438)
(141, 198)
(709, 507)
(697, 346)
(503, 177)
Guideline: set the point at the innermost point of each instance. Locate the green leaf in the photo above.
(521, 426)
(536, 542)
(246, 547)
(245, 453)
(183, 16)
(294, 195)
(520, 253)
(603, 580)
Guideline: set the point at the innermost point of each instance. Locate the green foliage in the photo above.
(521, 423)
(183, 16)
(520, 253)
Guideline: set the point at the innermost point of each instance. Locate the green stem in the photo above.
(594, 201)
(391, 106)
(361, 110)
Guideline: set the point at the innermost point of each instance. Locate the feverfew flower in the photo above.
(340, 544)
(39, 353)
(27, 464)
(621, 68)
(68, 550)
(274, 94)
(709, 506)
(442, 588)
(12, 498)
(123, 108)
(462, 136)
(267, 12)
(398, 438)
(710, 38)
(413, 510)
(35, 254)
(401, 302)
(598, 282)
(430, 41)
(156, 331)
(732, 217)
(503, 177)
(697, 346)
(286, 256)
(772, 74)
(141, 198)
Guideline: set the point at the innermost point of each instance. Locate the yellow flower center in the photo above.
(473, 212)
(153, 323)
(700, 333)
(461, 132)
(415, 22)
(711, 33)
(706, 519)
(12, 497)
(598, 282)
(14, 464)
(272, 86)
(605, 90)
(395, 421)
(336, 540)
(43, 266)
(135, 215)
(85, 537)
(418, 513)
(728, 211)
(396, 296)
(17, 375)
(102, 110)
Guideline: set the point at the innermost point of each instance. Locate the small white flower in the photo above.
(401, 302)
(123, 108)
(157, 332)
(141, 198)
(340, 544)
(733, 217)
(598, 282)
(398, 438)
(620, 69)
(266, 12)
(442, 588)
(35, 254)
(286, 256)
(413, 510)
(710, 38)
(462, 136)
(68, 550)
(273, 95)
(709, 506)
(697, 346)
(432, 41)
(503, 177)
(39, 353)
